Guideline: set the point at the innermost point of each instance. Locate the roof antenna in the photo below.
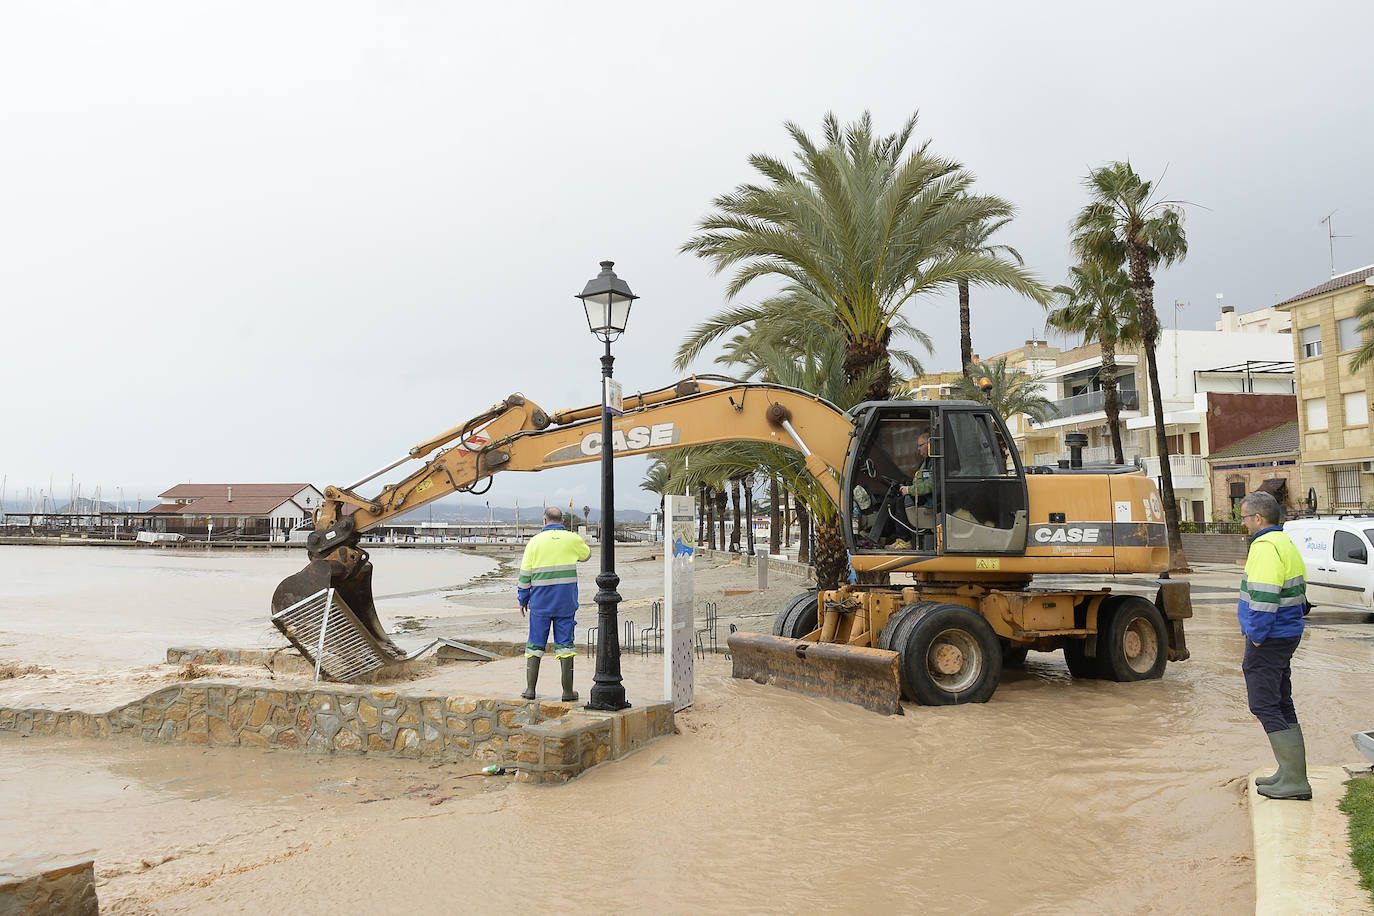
(1330, 239)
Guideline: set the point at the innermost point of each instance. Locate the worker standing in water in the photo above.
(547, 591)
(1273, 600)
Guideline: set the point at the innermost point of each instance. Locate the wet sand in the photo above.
(1057, 796)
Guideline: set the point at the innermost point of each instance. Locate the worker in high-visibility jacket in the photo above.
(547, 591)
(1273, 601)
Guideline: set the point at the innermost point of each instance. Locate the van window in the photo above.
(1348, 548)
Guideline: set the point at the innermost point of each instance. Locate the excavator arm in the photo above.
(517, 435)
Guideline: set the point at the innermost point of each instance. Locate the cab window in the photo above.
(1347, 547)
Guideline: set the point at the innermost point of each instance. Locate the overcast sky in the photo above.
(256, 242)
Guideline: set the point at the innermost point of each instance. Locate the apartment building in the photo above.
(1217, 388)
(1337, 465)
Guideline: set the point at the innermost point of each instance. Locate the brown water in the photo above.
(1057, 796)
(87, 608)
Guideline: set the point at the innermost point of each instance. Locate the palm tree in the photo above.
(1013, 391)
(1126, 223)
(1098, 304)
(860, 229)
(973, 238)
(1365, 312)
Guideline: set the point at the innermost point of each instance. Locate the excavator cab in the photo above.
(974, 498)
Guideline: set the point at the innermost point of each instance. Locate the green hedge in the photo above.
(1358, 805)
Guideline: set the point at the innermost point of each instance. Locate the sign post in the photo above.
(679, 553)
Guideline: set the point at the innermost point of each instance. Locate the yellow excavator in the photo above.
(958, 559)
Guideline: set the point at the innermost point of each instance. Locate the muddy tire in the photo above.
(1012, 656)
(1132, 644)
(1081, 665)
(798, 616)
(887, 638)
(949, 655)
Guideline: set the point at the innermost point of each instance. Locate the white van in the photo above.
(1337, 552)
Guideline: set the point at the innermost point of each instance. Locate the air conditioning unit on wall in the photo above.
(1367, 467)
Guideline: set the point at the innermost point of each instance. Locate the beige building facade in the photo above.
(1333, 403)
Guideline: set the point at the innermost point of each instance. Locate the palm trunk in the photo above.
(965, 331)
(734, 500)
(804, 534)
(1142, 284)
(703, 510)
(721, 501)
(749, 513)
(865, 353)
(774, 516)
(1112, 398)
(786, 519)
(830, 563)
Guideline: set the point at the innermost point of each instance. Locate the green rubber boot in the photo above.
(1278, 774)
(531, 676)
(567, 665)
(1291, 754)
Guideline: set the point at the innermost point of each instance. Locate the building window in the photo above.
(1344, 486)
(1316, 413)
(1237, 494)
(1348, 332)
(1311, 341)
(1356, 409)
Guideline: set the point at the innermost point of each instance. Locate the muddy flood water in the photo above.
(1057, 796)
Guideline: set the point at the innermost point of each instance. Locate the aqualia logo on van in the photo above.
(1313, 545)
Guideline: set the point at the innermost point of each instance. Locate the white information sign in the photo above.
(679, 553)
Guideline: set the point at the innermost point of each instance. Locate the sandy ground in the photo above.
(1056, 796)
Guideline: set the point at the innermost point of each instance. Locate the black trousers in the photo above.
(1268, 682)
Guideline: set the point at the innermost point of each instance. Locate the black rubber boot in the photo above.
(1278, 774)
(567, 665)
(1292, 757)
(531, 676)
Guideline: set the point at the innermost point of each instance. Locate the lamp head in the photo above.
(607, 300)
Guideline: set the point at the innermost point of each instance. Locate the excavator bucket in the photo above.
(851, 674)
(349, 572)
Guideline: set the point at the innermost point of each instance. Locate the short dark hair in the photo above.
(553, 515)
(1264, 504)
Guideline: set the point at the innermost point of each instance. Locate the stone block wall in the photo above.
(48, 885)
(547, 741)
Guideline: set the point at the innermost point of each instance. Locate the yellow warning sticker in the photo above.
(987, 563)
(424, 485)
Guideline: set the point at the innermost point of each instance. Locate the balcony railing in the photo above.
(1180, 466)
(1093, 401)
(1101, 454)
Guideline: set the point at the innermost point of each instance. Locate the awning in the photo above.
(1276, 487)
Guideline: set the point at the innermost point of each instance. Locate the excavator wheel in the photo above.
(1081, 665)
(1132, 644)
(1012, 656)
(949, 655)
(798, 617)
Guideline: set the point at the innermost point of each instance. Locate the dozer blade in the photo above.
(852, 674)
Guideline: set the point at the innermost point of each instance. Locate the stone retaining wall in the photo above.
(48, 885)
(787, 567)
(546, 741)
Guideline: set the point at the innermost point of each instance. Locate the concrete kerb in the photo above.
(1302, 851)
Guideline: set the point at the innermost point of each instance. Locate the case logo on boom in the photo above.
(636, 437)
(1067, 535)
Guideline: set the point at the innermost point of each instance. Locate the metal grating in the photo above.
(326, 632)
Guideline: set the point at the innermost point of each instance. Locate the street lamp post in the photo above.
(607, 299)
